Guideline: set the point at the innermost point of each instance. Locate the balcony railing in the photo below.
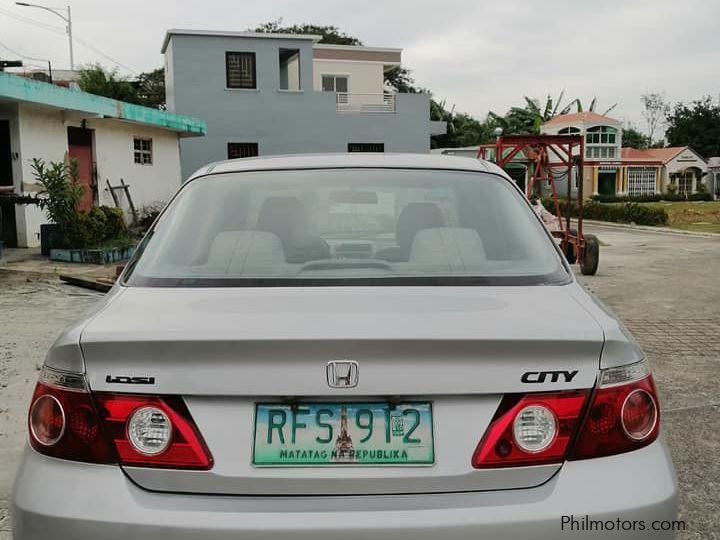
(348, 102)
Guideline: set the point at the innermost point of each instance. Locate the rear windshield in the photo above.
(347, 227)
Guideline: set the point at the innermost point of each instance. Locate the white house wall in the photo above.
(149, 184)
(365, 77)
(43, 134)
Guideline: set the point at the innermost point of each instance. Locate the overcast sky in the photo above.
(479, 55)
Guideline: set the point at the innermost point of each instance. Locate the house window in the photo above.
(366, 147)
(569, 131)
(685, 181)
(240, 70)
(641, 180)
(242, 150)
(335, 83)
(143, 151)
(601, 143)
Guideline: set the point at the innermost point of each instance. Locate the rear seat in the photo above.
(454, 248)
(245, 252)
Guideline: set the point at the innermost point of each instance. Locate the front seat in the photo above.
(285, 217)
(414, 218)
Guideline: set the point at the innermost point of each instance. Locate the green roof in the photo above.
(23, 89)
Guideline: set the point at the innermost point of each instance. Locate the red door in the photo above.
(80, 149)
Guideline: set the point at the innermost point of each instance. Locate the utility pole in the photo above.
(67, 19)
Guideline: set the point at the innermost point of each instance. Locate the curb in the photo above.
(35, 274)
(646, 228)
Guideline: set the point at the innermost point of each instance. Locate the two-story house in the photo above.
(610, 169)
(264, 94)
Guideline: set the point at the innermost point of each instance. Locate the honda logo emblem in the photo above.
(342, 374)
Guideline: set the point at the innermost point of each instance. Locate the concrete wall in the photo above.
(43, 134)
(365, 77)
(149, 184)
(280, 122)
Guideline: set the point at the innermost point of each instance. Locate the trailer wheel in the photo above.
(590, 255)
(569, 249)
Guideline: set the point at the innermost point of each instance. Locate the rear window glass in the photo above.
(347, 226)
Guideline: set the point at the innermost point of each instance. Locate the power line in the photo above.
(33, 22)
(109, 58)
(23, 56)
(59, 30)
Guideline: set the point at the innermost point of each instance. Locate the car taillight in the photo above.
(623, 416)
(63, 422)
(150, 431)
(530, 429)
(542, 428)
(67, 421)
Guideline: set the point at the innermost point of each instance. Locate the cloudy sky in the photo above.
(479, 55)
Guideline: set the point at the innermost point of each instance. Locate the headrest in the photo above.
(453, 248)
(414, 218)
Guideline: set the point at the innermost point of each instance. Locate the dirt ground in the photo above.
(664, 286)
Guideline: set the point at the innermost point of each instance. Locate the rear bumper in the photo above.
(62, 500)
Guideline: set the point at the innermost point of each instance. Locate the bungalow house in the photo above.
(112, 141)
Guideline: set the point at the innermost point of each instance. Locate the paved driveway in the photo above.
(664, 286)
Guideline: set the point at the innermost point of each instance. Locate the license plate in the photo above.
(322, 434)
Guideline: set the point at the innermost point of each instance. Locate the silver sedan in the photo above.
(346, 346)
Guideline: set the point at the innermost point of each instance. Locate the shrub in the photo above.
(148, 214)
(700, 196)
(62, 192)
(626, 212)
(115, 226)
(653, 197)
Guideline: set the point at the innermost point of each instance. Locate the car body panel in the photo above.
(104, 503)
(277, 341)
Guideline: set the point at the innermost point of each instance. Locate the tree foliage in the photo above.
(632, 138)
(148, 90)
(462, 129)
(696, 125)
(655, 109)
(151, 89)
(330, 34)
(95, 79)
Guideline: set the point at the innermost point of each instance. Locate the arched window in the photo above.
(569, 131)
(601, 142)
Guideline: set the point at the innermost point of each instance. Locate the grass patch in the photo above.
(692, 216)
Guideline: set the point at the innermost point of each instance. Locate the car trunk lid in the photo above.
(225, 350)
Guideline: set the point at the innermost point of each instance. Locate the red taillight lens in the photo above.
(533, 429)
(621, 418)
(536, 429)
(63, 422)
(129, 429)
(137, 427)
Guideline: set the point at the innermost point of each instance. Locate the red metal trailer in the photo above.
(553, 157)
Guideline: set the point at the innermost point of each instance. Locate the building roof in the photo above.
(659, 155)
(587, 117)
(23, 90)
(333, 46)
(227, 33)
(350, 160)
(662, 155)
